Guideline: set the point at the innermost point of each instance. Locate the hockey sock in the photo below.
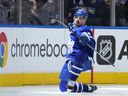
(79, 87)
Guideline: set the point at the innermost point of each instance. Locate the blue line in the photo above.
(109, 27)
(31, 26)
(55, 26)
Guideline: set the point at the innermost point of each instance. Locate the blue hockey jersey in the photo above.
(81, 55)
(75, 35)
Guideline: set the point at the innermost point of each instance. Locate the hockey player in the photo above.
(79, 55)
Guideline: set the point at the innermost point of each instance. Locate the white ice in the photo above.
(53, 90)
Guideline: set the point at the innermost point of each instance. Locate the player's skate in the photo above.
(92, 88)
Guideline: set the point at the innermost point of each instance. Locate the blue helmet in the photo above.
(81, 12)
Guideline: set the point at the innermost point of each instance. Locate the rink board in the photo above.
(53, 78)
(35, 55)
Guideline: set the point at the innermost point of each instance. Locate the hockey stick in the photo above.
(54, 20)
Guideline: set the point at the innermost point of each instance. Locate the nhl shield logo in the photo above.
(106, 47)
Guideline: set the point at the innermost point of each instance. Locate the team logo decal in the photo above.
(3, 49)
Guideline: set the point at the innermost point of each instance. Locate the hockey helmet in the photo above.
(81, 12)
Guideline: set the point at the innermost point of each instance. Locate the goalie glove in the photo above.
(84, 38)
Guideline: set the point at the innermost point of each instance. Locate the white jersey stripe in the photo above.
(74, 73)
(77, 68)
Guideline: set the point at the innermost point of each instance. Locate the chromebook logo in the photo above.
(3, 49)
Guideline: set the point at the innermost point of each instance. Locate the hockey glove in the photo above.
(84, 38)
